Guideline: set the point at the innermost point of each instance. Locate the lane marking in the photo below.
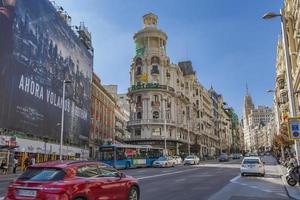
(165, 174)
(235, 179)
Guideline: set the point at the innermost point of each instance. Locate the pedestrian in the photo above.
(4, 167)
(26, 163)
(15, 165)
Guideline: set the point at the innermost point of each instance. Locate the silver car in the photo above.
(164, 162)
(191, 160)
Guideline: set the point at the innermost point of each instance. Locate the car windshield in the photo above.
(190, 157)
(251, 161)
(162, 159)
(42, 174)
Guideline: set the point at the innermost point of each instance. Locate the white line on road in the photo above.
(158, 175)
(235, 178)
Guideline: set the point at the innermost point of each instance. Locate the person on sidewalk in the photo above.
(15, 165)
(4, 167)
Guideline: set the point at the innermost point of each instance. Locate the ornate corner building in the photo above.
(166, 100)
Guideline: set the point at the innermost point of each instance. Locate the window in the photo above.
(138, 71)
(156, 99)
(88, 171)
(108, 172)
(155, 115)
(281, 84)
(138, 62)
(137, 132)
(197, 93)
(156, 132)
(139, 99)
(42, 174)
(154, 69)
(139, 115)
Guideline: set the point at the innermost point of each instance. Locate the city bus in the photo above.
(124, 156)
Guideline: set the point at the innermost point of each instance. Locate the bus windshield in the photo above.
(106, 154)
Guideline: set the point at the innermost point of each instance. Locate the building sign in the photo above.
(294, 128)
(38, 50)
(145, 86)
(8, 141)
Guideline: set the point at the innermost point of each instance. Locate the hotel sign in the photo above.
(145, 86)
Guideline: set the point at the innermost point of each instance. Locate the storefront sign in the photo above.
(8, 141)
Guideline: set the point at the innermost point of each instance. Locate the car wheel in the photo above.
(133, 193)
(242, 174)
(80, 198)
(262, 175)
(291, 182)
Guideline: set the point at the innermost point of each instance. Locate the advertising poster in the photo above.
(38, 50)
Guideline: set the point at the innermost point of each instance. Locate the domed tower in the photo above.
(152, 92)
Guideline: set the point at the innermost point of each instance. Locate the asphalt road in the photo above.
(207, 181)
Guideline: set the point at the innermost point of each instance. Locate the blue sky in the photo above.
(227, 41)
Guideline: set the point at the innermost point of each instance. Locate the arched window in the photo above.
(155, 115)
(155, 60)
(138, 62)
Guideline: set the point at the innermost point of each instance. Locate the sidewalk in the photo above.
(293, 192)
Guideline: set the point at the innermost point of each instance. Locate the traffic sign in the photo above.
(294, 128)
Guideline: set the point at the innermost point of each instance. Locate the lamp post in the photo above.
(62, 119)
(188, 129)
(165, 125)
(288, 68)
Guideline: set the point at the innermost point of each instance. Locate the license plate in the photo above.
(26, 193)
(250, 166)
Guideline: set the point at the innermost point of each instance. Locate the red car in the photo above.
(73, 180)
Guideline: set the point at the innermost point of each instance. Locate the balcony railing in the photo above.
(154, 71)
(150, 121)
(155, 103)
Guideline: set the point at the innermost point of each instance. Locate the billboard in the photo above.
(38, 50)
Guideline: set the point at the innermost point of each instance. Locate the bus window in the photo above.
(107, 154)
(120, 153)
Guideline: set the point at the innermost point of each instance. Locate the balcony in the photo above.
(155, 104)
(138, 73)
(151, 122)
(154, 71)
(139, 105)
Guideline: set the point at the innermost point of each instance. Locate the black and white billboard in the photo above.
(38, 50)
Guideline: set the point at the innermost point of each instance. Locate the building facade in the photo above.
(168, 106)
(102, 117)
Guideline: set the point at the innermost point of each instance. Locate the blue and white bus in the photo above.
(123, 156)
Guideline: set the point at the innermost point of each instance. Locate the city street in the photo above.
(210, 180)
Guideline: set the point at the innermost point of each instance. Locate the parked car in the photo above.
(223, 157)
(178, 160)
(191, 160)
(252, 165)
(164, 161)
(236, 156)
(76, 180)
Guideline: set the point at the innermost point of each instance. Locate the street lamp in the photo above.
(62, 119)
(271, 15)
(165, 124)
